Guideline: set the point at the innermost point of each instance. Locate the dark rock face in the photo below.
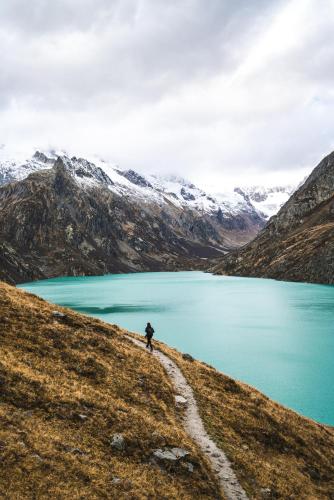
(85, 169)
(298, 243)
(186, 195)
(135, 178)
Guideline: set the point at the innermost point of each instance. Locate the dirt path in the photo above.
(195, 428)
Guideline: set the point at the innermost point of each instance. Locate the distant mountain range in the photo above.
(265, 201)
(298, 243)
(62, 215)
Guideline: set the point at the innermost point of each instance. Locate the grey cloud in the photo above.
(141, 49)
(38, 17)
(146, 82)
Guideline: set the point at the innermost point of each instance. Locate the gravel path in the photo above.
(195, 428)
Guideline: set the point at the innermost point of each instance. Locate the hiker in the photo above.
(149, 334)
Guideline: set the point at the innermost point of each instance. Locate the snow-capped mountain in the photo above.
(149, 188)
(71, 216)
(266, 200)
(262, 201)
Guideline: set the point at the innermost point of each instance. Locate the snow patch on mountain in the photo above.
(267, 200)
(259, 201)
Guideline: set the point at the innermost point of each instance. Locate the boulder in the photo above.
(187, 357)
(170, 454)
(58, 314)
(180, 400)
(118, 442)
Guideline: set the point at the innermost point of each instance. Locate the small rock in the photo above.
(164, 455)
(189, 466)
(58, 314)
(245, 447)
(118, 442)
(77, 451)
(171, 454)
(180, 400)
(81, 416)
(180, 452)
(314, 474)
(116, 480)
(187, 357)
(266, 492)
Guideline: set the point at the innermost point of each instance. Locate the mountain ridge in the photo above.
(72, 217)
(297, 244)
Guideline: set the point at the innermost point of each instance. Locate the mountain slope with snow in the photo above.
(266, 200)
(297, 244)
(230, 212)
(103, 219)
(261, 201)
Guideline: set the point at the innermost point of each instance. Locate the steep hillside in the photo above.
(298, 243)
(275, 452)
(83, 411)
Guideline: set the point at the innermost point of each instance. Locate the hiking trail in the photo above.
(194, 426)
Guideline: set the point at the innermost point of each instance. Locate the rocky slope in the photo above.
(72, 217)
(232, 210)
(298, 243)
(87, 414)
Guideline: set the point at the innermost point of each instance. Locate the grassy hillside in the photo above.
(275, 452)
(70, 385)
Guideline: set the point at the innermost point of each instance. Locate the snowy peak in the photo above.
(135, 178)
(86, 171)
(266, 200)
(259, 202)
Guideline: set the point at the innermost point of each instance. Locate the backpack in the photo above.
(149, 331)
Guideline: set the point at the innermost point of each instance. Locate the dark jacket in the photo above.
(149, 331)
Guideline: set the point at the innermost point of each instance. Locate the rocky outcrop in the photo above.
(298, 243)
(135, 178)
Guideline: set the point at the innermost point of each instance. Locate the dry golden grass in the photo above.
(269, 445)
(66, 387)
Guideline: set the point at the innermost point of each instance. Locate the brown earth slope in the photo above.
(70, 384)
(298, 243)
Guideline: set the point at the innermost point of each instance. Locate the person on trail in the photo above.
(149, 334)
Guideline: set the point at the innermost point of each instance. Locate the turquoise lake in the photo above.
(276, 336)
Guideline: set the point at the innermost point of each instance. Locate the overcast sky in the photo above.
(220, 91)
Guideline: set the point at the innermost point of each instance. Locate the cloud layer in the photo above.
(219, 91)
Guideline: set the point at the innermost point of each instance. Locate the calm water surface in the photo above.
(276, 336)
